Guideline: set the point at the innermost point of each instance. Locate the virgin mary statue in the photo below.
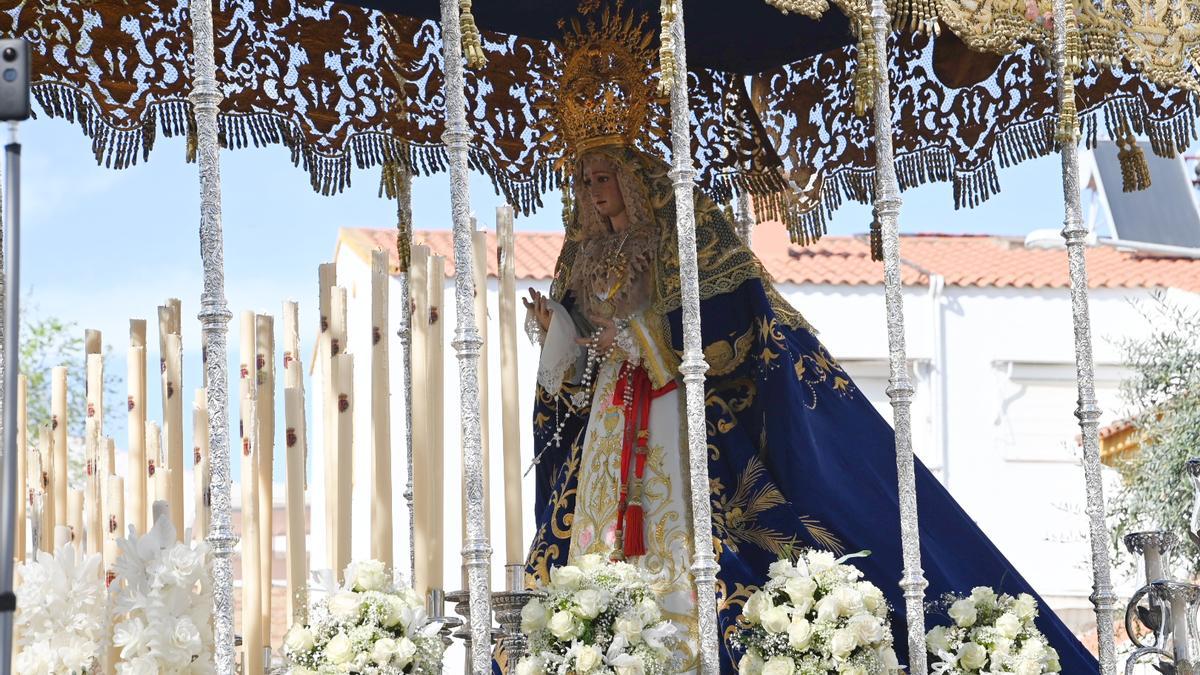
(797, 456)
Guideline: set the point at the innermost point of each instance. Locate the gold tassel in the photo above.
(472, 44)
(813, 9)
(864, 72)
(876, 240)
(1068, 116)
(1135, 173)
(666, 48)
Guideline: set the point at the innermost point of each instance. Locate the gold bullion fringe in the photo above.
(472, 43)
(666, 48)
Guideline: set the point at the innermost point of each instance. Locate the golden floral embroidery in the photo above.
(725, 403)
(723, 356)
(736, 517)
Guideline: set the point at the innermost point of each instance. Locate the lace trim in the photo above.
(560, 353)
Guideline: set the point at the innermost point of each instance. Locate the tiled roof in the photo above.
(963, 260)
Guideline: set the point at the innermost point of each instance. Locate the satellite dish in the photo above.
(1164, 214)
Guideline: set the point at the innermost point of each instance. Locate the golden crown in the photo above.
(603, 88)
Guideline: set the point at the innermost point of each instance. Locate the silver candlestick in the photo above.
(435, 608)
(508, 605)
(462, 607)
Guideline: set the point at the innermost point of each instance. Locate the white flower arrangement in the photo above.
(597, 617)
(368, 626)
(991, 634)
(61, 607)
(162, 604)
(816, 616)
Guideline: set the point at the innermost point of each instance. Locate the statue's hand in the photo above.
(606, 336)
(541, 310)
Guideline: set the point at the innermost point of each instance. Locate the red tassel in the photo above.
(635, 538)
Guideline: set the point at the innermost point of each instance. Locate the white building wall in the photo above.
(1008, 441)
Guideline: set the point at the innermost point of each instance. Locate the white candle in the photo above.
(156, 473)
(75, 516)
(264, 368)
(252, 563)
(62, 536)
(296, 443)
(114, 501)
(381, 503)
(509, 389)
(418, 278)
(344, 402)
(22, 468)
(36, 497)
(58, 426)
(200, 469)
(437, 388)
(173, 446)
(46, 448)
(93, 498)
(327, 275)
(138, 489)
(95, 390)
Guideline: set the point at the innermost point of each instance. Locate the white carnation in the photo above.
(567, 577)
(405, 651)
(531, 665)
(849, 600)
(983, 596)
(800, 589)
(629, 627)
(819, 561)
(383, 651)
(782, 569)
(629, 664)
(590, 602)
(1025, 607)
(1008, 625)
(868, 629)
(345, 606)
(369, 575)
(938, 640)
(591, 561)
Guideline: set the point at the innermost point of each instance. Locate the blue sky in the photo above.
(103, 246)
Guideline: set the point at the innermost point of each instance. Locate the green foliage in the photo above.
(1165, 388)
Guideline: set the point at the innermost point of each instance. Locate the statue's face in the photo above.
(600, 181)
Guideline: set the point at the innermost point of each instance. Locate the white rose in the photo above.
(648, 609)
(779, 665)
(849, 600)
(775, 620)
(982, 595)
(887, 658)
(339, 649)
(629, 627)
(964, 613)
(587, 659)
(383, 651)
(868, 629)
(298, 639)
(1025, 607)
(533, 616)
(938, 640)
(756, 604)
(405, 651)
(799, 634)
(751, 663)
(827, 609)
(1033, 649)
(1051, 660)
(369, 575)
(590, 561)
(972, 656)
(843, 642)
(629, 664)
(567, 577)
(1008, 625)
(1002, 647)
(782, 569)
(1028, 667)
(531, 665)
(345, 606)
(563, 625)
(819, 561)
(873, 598)
(800, 589)
(849, 669)
(590, 603)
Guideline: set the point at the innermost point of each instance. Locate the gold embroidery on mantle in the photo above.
(735, 517)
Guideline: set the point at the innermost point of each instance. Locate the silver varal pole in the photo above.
(404, 216)
(1088, 413)
(693, 367)
(900, 389)
(214, 321)
(12, 315)
(477, 552)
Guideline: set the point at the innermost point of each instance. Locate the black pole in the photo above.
(9, 490)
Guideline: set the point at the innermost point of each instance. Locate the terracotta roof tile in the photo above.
(964, 260)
